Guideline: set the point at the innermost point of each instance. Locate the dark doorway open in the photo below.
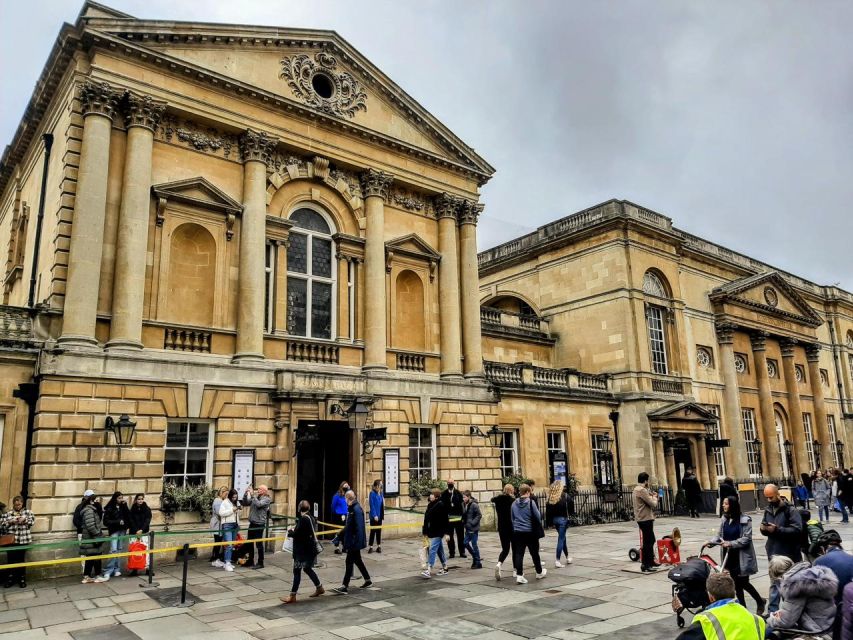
(322, 464)
(683, 458)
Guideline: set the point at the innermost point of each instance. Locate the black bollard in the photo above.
(150, 582)
(184, 578)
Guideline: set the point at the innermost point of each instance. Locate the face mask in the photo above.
(450, 486)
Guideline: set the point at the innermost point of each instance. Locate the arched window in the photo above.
(653, 285)
(192, 276)
(310, 275)
(409, 324)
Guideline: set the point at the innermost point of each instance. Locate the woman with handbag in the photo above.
(229, 517)
(527, 529)
(18, 523)
(306, 547)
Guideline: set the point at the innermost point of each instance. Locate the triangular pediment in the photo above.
(769, 293)
(199, 192)
(683, 411)
(413, 245)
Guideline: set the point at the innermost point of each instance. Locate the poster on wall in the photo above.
(242, 470)
(391, 474)
(559, 467)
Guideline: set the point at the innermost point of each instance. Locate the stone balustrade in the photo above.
(15, 324)
(309, 351)
(498, 320)
(411, 361)
(523, 375)
(193, 340)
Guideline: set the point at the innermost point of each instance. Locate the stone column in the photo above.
(472, 341)
(660, 462)
(343, 297)
(671, 477)
(732, 420)
(374, 186)
(795, 409)
(822, 434)
(448, 287)
(98, 102)
(255, 148)
(771, 458)
(143, 114)
(702, 462)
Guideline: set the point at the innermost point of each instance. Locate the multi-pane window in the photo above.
(657, 338)
(814, 463)
(509, 453)
(719, 458)
(421, 452)
(833, 440)
(310, 276)
(188, 453)
(556, 444)
(600, 466)
(269, 288)
(753, 449)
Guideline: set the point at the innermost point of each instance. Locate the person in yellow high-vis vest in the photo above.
(724, 618)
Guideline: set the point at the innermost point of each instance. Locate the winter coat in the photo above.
(471, 516)
(377, 506)
(259, 507)
(116, 517)
(743, 545)
(808, 599)
(841, 564)
(452, 501)
(503, 509)
(353, 535)
(645, 503)
(214, 514)
(140, 518)
(787, 538)
(801, 493)
(822, 491)
(304, 549)
(692, 488)
(847, 612)
(435, 520)
(91, 525)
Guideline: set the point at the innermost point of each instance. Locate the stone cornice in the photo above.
(375, 183)
(257, 146)
(143, 111)
(99, 98)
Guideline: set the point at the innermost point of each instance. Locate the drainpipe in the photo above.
(836, 346)
(29, 393)
(48, 143)
(614, 418)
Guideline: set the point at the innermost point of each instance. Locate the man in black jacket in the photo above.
(452, 500)
(692, 492)
(782, 525)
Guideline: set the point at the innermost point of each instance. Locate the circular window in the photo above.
(703, 358)
(798, 374)
(322, 85)
(740, 363)
(772, 371)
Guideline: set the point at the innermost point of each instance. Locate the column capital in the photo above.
(787, 345)
(445, 205)
(99, 98)
(725, 332)
(468, 211)
(376, 183)
(758, 340)
(143, 111)
(813, 352)
(257, 145)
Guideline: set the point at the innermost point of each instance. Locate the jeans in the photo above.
(647, 542)
(115, 547)
(506, 543)
(775, 597)
(471, 545)
(561, 524)
(823, 513)
(297, 578)
(436, 547)
(256, 530)
(229, 534)
(354, 560)
(521, 541)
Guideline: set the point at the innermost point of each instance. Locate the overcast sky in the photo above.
(733, 118)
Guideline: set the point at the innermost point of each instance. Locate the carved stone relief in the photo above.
(199, 137)
(317, 82)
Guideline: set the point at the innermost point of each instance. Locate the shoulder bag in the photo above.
(535, 523)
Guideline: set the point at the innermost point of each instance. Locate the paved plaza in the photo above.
(601, 594)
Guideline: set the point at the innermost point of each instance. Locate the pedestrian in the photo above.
(822, 491)
(305, 550)
(831, 554)
(18, 521)
(453, 503)
(727, 488)
(259, 510)
(217, 555)
(808, 600)
(724, 617)
(503, 513)
(836, 498)
(117, 521)
(527, 529)
(645, 502)
(377, 515)
(140, 515)
(845, 490)
(77, 518)
(471, 517)
(557, 514)
(339, 511)
(229, 517)
(692, 492)
(801, 495)
(435, 528)
(735, 536)
(91, 525)
(776, 568)
(782, 526)
(846, 627)
(353, 540)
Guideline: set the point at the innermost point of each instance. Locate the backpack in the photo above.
(77, 519)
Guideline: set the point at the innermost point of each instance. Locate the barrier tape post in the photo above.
(184, 602)
(150, 584)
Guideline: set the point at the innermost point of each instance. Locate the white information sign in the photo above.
(391, 480)
(243, 470)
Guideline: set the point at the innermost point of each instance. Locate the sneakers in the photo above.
(558, 564)
(370, 550)
(101, 579)
(341, 590)
(117, 574)
(217, 564)
(426, 574)
(367, 583)
(498, 575)
(539, 576)
(569, 560)
(441, 572)
(87, 580)
(379, 549)
(520, 580)
(228, 566)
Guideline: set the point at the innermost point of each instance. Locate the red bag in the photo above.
(668, 552)
(137, 561)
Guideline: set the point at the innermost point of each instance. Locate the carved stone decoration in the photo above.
(703, 357)
(468, 211)
(321, 167)
(376, 183)
(813, 352)
(257, 145)
(771, 297)
(445, 205)
(799, 373)
(346, 95)
(143, 111)
(824, 378)
(740, 363)
(787, 347)
(772, 369)
(408, 200)
(200, 138)
(725, 332)
(99, 98)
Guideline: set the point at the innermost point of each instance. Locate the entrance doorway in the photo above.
(683, 458)
(322, 463)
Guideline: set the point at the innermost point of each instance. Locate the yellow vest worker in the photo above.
(728, 620)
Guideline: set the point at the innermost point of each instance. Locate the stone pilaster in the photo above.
(256, 148)
(448, 286)
(343, 297)
(772, 460)
(472, 348)
(98, 101)
(795, 408)
(660, 461)
(142, 114)
(375, 186)
(732, 420)
(821, 426)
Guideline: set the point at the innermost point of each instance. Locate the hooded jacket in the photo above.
(743, 545)
(471, 516)
(808, 599)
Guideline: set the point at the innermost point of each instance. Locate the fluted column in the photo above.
(813, 358)
(732, 420)
(772, 459)
(256, 148)
(142, 115)
(660, 461)
(795, 409)
(472, 341)
(374, 186)
(448, 287)
(98, 102)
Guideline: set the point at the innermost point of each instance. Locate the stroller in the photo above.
(688, 578)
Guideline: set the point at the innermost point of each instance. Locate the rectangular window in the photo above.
(269, 288)
(833, 437)
(657, 339)
(600, 467)
(509, 453)
(188, 453)
(719, 458)
(753, 450)
(421, 452)
(807, 428)
(556, 444)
